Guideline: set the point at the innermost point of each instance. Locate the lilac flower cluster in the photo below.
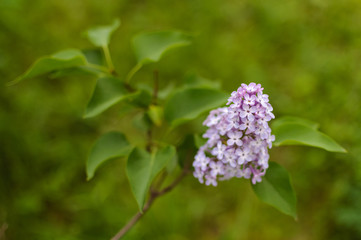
(238, 138)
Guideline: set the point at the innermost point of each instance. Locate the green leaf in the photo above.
(61, 60)
(187, 104)
(100, 35)
(110, 145)
(143, 167)
(78, 72)
(166, 91)
(290, 119)
(95, 56)
(295, 133)
(142, 98)
(194, 80)
(155, 113)
(276, 190)
(142, 122)
(96, 66)
(149, 47)
(172, 164)
(108, 91)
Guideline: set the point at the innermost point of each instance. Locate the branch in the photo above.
(156, 87)
(173, 184)
(133, 221)
(154, 195)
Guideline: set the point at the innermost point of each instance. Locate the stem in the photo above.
(133, 71)
(160, 181)
(150, 142)
(133, 221)
(108, 58)
(174, 183)
(156, 87)
(98, 67)
(154, 195)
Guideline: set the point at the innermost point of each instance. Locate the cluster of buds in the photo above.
(238, 138)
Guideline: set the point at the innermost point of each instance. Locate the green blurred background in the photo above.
(306, 54)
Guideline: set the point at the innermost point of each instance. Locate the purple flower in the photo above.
(257, 174)
(198, 174)
(201, 161)
(230, 158)
(247, 124)
(238, 138)
(244, 155)
(216, 168)
(249, 100)
(233, 124)
(262, 99)
(234, 138)
(219, 150)
(247, 112)
(233, 112)
(259, 111)
(211, 180)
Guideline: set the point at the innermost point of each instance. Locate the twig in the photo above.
(154, 195)
(159, 183)
(156, 87)
(149, 140)
(133, 221)
(173, 184)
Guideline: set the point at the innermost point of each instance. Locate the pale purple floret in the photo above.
(230, 158)
(247, 125)
(238, 138)
(234, 138)
(218, 151)
(211, 180)
(201, 161)
(248, 112)
(217, 168)
(244, 155)
(249, 100)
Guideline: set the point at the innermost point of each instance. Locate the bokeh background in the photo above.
(306, 54)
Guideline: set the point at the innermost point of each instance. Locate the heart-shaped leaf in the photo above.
(61, 60)
(142, 98)
(108, 146)
(100, 35)
(276, 190)
(150, 47)
(301, 133)
(95, 56)
(108, 91)
(194, 80)
(187, 104)
(143, 167)
(96, 65)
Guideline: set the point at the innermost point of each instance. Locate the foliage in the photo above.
(276, 190)
(183, 105)
(53, 136)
